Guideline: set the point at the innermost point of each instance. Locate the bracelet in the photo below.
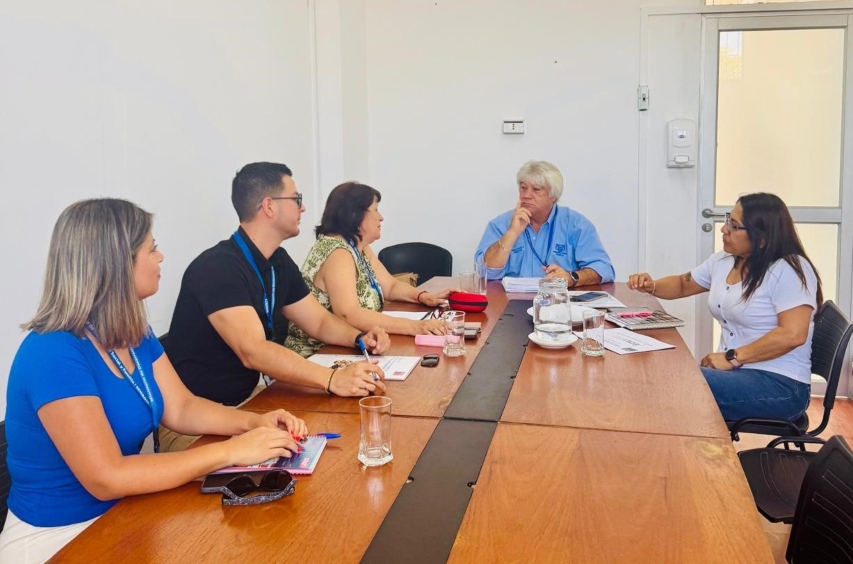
(329, 383)
(501, 245)
(654, 288)
(418, 299)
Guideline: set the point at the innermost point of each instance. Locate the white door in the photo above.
(777, 116)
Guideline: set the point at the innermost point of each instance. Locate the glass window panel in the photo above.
(821, 243)
(779, 115)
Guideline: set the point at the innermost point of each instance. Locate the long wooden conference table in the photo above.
(512, 453)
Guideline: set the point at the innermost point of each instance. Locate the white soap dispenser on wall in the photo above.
(681, 143)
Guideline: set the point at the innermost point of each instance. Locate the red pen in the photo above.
(635, 314)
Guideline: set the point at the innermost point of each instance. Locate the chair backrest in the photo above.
(424, 259)
(832, 331)
(823, 521)
(5, 480)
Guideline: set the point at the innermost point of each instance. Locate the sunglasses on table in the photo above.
(278, 484)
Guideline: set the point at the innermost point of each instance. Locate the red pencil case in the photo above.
(465, 301)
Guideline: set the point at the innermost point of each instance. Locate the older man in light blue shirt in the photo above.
(540, 238)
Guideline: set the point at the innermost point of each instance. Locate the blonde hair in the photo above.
(542, 173)
(89, 274)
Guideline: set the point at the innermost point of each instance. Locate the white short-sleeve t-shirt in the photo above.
(745, 321)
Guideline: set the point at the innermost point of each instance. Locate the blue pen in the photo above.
(363, 350)
(329, 435)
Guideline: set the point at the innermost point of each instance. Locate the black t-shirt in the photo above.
(221, 278)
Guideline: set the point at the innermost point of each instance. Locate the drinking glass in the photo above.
(593, 333)
(454, 335)
(374, 444)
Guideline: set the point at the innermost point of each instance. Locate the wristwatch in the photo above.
(358, 338)
(731, 356)
(575, 278)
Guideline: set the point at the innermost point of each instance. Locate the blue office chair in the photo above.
(424, 259)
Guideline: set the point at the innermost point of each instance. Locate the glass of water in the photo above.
(552, 314)
(454, 335)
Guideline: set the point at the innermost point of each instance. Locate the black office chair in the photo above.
(832, 332)
(5, 480)
(823, 524)
(424, 259)
(775, 476)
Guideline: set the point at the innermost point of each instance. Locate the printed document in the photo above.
(623, 341)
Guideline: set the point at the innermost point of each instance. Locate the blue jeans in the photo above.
(757, 393)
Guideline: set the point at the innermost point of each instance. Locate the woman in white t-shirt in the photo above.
(764, 292)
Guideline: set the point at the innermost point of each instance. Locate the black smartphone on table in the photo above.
(589, 296)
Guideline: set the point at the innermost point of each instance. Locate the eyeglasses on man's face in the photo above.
(731, 226)
(297, 197)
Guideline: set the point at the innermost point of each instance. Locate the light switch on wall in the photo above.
(513, 126)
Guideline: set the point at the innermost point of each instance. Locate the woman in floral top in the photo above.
(345, 275)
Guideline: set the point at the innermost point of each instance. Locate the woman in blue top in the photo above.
(764, 292)
(90, 382)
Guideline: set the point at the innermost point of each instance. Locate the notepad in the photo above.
(523, 285)
(657, 320)
(302, 463)
(394, 367)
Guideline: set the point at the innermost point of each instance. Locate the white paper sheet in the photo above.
(520, 285)
(623, 341)
(414, 315)
(394, 367)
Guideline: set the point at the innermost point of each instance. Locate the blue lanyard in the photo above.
(146, 396)
(268, 300)
(550, 240)
(367, 271)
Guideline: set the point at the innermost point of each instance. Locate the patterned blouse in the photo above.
(297, 339)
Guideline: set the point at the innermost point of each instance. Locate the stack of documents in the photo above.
(520, 285)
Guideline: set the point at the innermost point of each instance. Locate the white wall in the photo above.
(158, 102)
(671, 194)
(440, 78)
(161, 102)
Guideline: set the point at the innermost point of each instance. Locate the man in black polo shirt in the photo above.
(237, 298)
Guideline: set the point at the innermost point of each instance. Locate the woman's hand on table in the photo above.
(259, 444)
(431, 327)
(436, 300)
(281, 419)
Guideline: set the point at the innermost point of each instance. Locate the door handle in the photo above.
(709, 213)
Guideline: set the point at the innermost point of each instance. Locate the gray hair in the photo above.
(89, 274)
(542, 173)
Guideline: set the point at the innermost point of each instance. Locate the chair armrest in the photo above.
(796, 440)
(780, 423)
